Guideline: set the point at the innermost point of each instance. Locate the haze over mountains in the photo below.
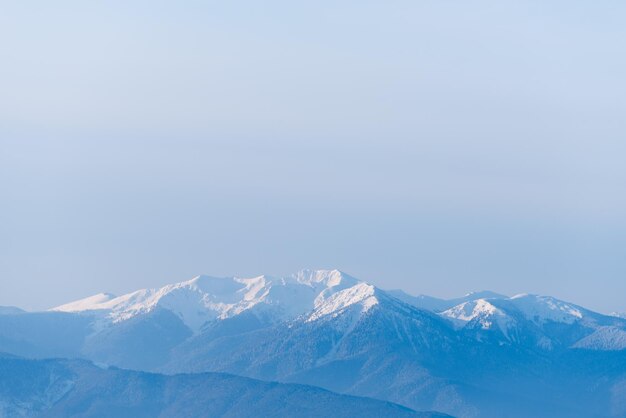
(481, 355)
(73, 388)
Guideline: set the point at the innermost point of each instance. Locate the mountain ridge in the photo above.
(316, 293)
(468, 357)
(62, 388)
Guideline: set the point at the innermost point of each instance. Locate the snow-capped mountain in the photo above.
(312, 294)
(479, 312)
(472, 356)
(542, 321)
(203, 298)
(438, 305)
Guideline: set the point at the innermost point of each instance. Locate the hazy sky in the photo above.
(437, 146)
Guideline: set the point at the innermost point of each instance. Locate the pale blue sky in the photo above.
(436, 146)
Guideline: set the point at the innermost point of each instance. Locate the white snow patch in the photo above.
(541, 309)
(205, 298)
(361, 293)
(480, 311)
(94, 302)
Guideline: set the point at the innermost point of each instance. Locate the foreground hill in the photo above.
(64, 388)
(483, 355)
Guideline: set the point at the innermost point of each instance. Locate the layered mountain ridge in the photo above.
(311, 294)
(72, 388)
(204, 298)
(469, 357)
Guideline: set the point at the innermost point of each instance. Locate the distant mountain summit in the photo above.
(204, 298)
(312, 294)
(472, 356)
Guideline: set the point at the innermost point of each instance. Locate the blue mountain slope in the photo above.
(63, 388)
(10, 310)
(525, 355)
(408, 356)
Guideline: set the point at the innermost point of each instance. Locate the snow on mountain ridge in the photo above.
(94, 302)
(541, 320)
(483, 294)
(480, 311)
(361, 293)
(310, 295)
(328, 278)
(439, 305)
(534, 308)
(206, 298)
(540, 309)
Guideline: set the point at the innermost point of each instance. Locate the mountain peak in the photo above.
(484, 294)
(479, 311)
(94, 302)
(547, 308)
(329, 278)
(362, 294)
(205, 298)
(315, 294)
